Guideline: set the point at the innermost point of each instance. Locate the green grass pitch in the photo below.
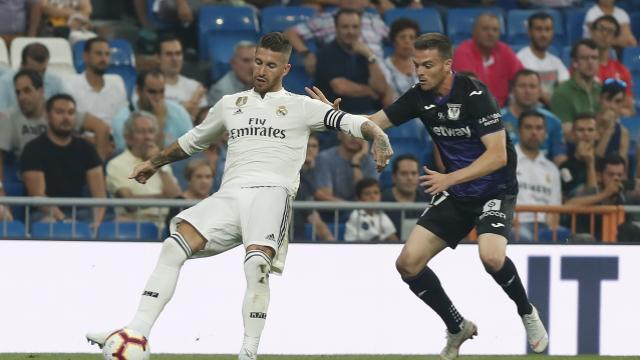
(305, 357)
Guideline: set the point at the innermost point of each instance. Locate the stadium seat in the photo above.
(427, 18)
(296, 80)
(128, 231)
(565, 56)
(412, 129)
(107, 9)
(635, 21)
(631, 59)
(60, 56)
(156, 22)
(573, 25)
(517, 28)
(460, 22)
(12, 229)
(342, 227)
(61, 230)
(221, 27)
(5, 63)
(280, 18)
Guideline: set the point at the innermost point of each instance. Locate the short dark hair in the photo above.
(36, 79)
(530, 113)
(277, 42)
(608, 18)
(402, 24)
(166, 38)
(435, 41)
(142, 76)
(36, 51)
(89, 43)
(610, 159)
(345, 11)
(586, 42)
(194, 164)
(52, 100)
(365, 183)
(584, 116)
(523, 72)
(397, 160)
(540, 15)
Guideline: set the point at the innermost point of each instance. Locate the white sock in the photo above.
(161, 284)
(257, 265)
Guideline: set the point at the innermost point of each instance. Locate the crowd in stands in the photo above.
(568, 103)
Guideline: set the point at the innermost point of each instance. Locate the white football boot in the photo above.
(467, 331)
(536, 333)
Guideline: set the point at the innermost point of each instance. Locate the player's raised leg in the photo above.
(421, 246)
(161, 285)
(492, 248)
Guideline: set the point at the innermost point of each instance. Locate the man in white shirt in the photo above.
(95, 91)
(188, 92)
(537, 57)
(538, 177)
(268, 132)
(240, 77)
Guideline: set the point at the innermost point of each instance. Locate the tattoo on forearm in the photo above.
(371, 131)
(172, 153)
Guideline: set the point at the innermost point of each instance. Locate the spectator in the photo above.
(19, 18)
(59, 164)
(59, 12)
(199, 174)
(322, 30)
(141, 133)
(493, 61)
(525, 96)
(339, 168)
(188, 92)
(28, 120)
(613, 138)
(405, 172)
(398, 68)
(538, 178)
(359, 79)
(240, 78)
(369, 225)
(580, 93)
(624, 37)
(603, 31)
(579, 171)
(537, 57)
(173, 119)
(305, 193)
(95, 91)
(35, 56)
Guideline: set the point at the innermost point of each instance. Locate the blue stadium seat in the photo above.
(280, 18)
(427, 18)
(61, 231)
(633, 125)
(517, 29)
(342, 227)
(12, 230)
(122, 54)
(221, 27)
(573, 25)
(296, 80)
(412, 129)
(565, 56)
(460, 22)
(128, 231)
(631, 59)
(128, 75)
(308, 231)
(635, 21)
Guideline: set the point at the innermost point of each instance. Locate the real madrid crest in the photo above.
(241, 101)
(281, 110)
(454, 111)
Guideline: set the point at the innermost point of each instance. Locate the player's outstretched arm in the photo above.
(145, 170)
(381, 148)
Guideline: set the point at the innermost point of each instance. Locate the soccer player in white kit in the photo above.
(268, 132)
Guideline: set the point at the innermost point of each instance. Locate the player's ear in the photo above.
(287, 67)
(448, 63)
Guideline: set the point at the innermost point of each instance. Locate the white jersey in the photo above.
(267, 136)
(539, 184)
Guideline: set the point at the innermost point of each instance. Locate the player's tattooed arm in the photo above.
(143, 171)
(381, 148)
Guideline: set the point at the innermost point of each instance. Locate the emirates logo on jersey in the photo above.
(281, 110)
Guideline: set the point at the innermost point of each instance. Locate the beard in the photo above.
(99, 70)
(61, 133)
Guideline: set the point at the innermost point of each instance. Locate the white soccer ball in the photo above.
(126, 344)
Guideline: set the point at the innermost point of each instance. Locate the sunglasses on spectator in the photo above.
(618, 82)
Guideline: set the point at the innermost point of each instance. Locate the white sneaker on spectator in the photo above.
(467, 331)
(536, 333)
(98, 338)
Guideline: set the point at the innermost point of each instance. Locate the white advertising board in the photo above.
(332, 299)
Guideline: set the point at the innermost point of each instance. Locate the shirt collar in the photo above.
(272, 94)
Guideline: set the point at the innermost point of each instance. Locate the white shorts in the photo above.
(248, 215)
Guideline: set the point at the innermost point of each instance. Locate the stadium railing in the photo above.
(603, 220)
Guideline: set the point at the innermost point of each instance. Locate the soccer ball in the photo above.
(126, 344)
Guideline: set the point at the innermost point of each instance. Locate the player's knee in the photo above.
(492, 262)
(257, 265)
(409, 266)
(193, 238)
